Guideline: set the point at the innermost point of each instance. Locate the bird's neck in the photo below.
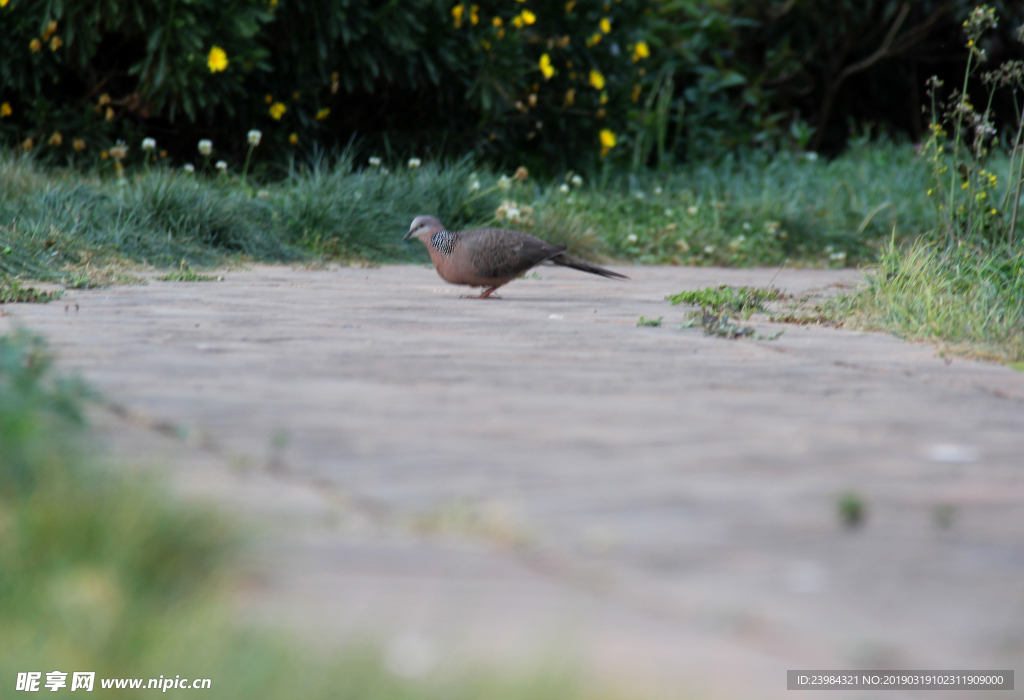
(443, 241)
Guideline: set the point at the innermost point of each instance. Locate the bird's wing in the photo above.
(497, 253)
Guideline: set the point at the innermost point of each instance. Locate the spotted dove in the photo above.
(490, 257)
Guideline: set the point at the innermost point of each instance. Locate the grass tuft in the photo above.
(728, 300)
(13, 291)
(185, 273)
(966, 299)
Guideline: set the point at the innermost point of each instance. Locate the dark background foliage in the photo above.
(402, 79)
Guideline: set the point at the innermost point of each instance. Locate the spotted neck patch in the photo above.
(443, 242)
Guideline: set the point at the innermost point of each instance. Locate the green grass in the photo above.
(108, 572)
(64, 226)
(726, 299)
(12, 291)
(757, 211)
(968, 300)
(185, 273)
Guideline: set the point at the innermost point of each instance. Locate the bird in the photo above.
(490, 257)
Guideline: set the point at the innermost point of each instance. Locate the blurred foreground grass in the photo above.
(82, 230)
(105, 572)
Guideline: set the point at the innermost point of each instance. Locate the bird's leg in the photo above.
(487, 294)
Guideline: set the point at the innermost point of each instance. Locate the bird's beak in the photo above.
(407, 236)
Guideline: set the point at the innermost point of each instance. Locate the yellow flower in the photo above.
(5, 110)
(34, 45)
(569, 5)
(55, 43)
(104, 99)
(545, 67)
(110, 113)
(474, 15)
(604, 98)
(27, 145)
(56, 139)
(570, 97)
(293, 139)
(993, 212)
(496, 21)
(517, 22)
(636, 93)
(104, 155)
(3, 3)
(597, 80)
(594, 39)
(606, 25)
(217, 60)
(51, 29)
(78, 144)
(322, 114)
(641, 50)
(268, 98)
(457, 14)
(607, 141)
(528, 17)
(277, 110)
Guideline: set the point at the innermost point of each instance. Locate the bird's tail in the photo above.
(567, 261)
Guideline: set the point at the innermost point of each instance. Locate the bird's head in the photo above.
(423, 227)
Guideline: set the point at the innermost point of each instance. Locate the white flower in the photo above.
(189, 168)
(709, 249)
(631, 238)
(374, 161)
(148, 144)
(222, 165)
(638, 195)
(563, 188)
(263, 194)
(254, 137)
(205, 147)
(504, 182)
(692, 211)
(577, 180)
(414, 163)
(668, 212)
(841, 255)
(657, 190)
(811, 156)
(474, 186)
(746, 226)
